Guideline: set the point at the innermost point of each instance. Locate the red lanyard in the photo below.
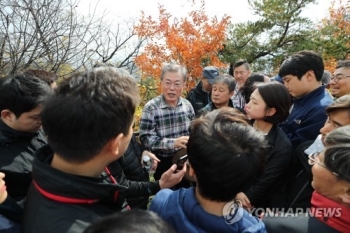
(114, 181)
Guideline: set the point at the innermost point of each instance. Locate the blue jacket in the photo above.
(182, 211)
(307, 117)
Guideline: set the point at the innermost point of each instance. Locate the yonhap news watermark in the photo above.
(234, 212)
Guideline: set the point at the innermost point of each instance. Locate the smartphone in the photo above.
(181, 162)
(178, 154)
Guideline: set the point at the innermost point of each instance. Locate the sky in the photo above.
(238, 10)
(118, 12)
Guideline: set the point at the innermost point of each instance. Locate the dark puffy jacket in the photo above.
(59, 202)
(128, 172)
(133, 171)
(198, 98)
(16, 157)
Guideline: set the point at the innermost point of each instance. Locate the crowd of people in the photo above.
(70, 162)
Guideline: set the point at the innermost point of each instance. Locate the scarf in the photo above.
(330, 212)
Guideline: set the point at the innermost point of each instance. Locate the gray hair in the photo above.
(226, 79)
(174, 68)
(337, 153)
(343, 63)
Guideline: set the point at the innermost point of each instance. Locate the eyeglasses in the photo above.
(338, 77)
(313, 159)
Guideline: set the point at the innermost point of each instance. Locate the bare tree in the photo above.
(119, 45)
(51, 35)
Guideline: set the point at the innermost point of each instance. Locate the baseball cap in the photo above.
(277, 78)
(210, 73)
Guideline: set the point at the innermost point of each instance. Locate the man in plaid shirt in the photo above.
(166, 118)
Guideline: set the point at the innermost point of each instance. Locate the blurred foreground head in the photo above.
(88, 110)
(134, 221)
(224, 152)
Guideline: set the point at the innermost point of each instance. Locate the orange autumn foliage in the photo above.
(330, 63)
(337, 28)
(193, 41)
(340, 17)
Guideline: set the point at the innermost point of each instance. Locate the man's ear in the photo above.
(114, 145)
(7, 115)
(310, 75)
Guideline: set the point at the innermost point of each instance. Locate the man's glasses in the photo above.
(338, 77)
(313, 159)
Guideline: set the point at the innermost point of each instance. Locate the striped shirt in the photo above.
(161, 124)
(237, 98)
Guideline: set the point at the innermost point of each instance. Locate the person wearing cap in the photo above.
(222, 91)
(199, 96)
(278, 79)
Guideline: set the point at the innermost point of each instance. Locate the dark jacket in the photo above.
(133, 171)
(198, 97)
(61, 202)
(183, 212)
(17, 150)
(307, 117)
(278, 156)
(301, 223)
(296, 190)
